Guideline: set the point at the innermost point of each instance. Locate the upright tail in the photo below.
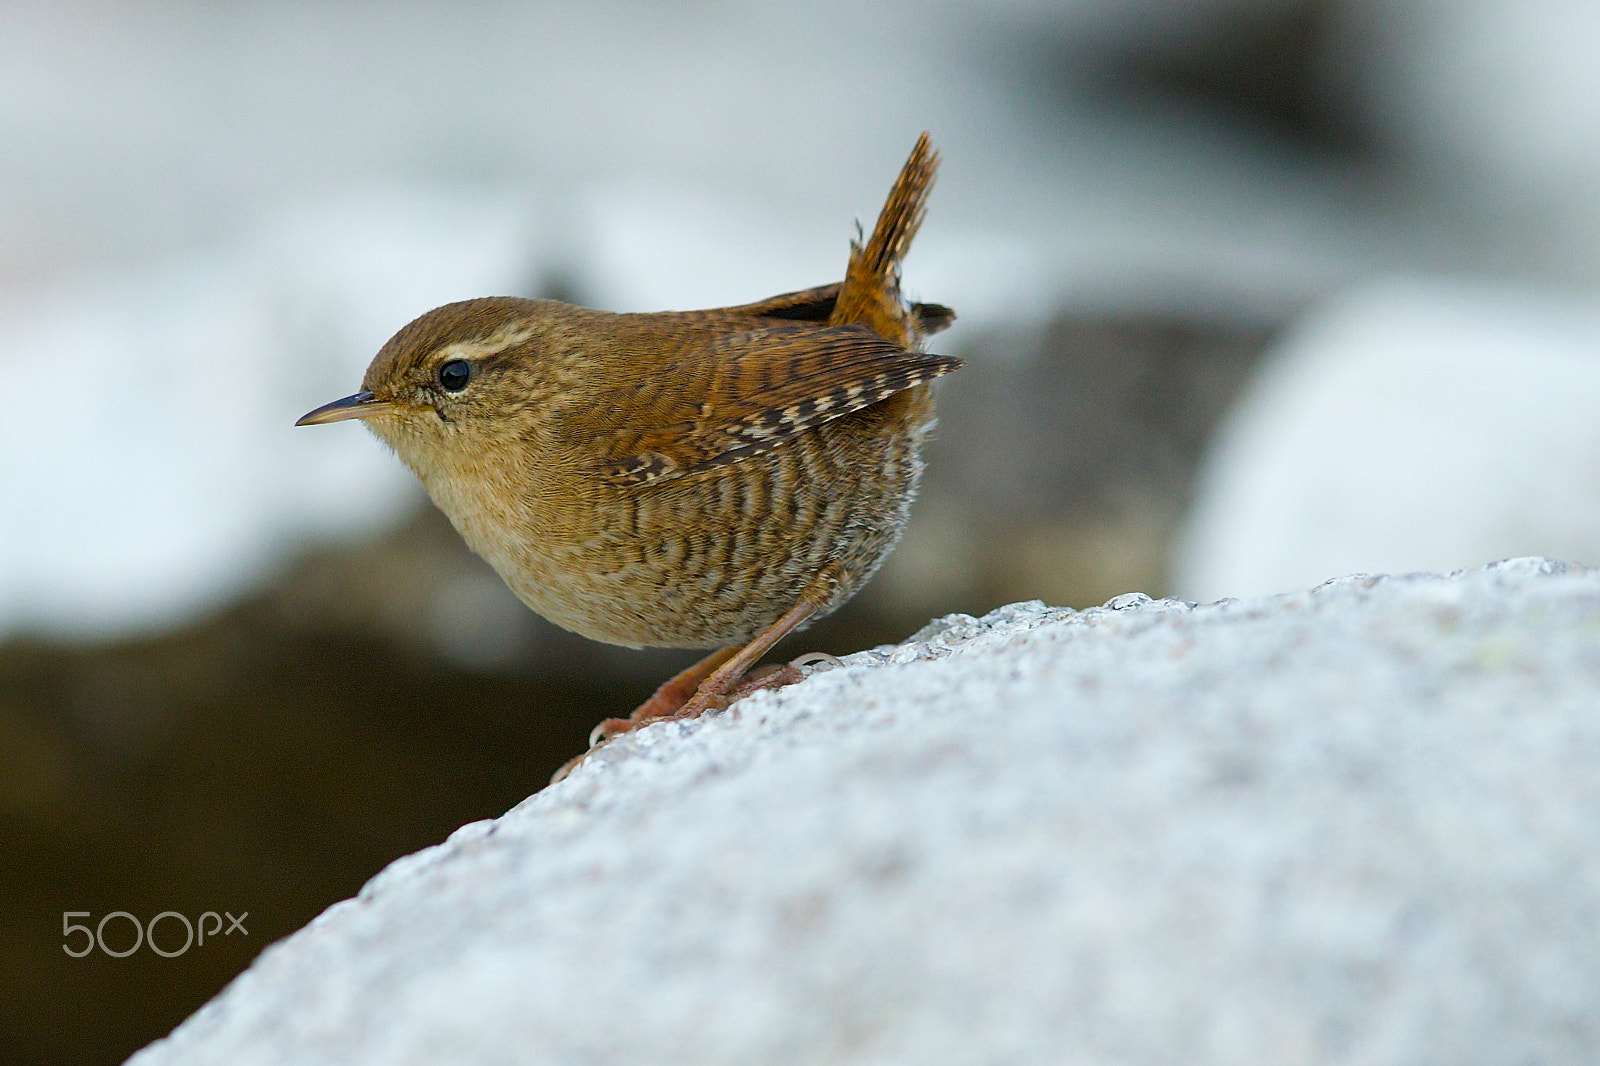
(870, 294)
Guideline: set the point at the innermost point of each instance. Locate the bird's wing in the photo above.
(749, 391)
(807, 305)
(816, 305)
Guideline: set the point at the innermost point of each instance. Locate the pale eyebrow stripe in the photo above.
(481, 348)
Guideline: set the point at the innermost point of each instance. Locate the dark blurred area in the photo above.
(381, 687)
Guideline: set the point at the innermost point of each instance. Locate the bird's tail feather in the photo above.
(870, 294)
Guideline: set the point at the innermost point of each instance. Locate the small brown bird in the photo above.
(699, 479)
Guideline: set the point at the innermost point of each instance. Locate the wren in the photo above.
(694, 479)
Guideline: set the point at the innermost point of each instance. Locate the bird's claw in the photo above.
(759, 680)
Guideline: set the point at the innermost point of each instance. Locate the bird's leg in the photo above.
(715, 678)
(714, 690)
(668, 699)
(729, 682)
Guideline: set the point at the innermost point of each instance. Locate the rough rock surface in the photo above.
(1359, 824)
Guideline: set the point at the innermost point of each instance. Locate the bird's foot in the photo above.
(713, 697)
(713, 694)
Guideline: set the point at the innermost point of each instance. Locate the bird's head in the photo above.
(456, 378)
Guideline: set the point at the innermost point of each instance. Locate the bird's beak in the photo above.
(361, 405)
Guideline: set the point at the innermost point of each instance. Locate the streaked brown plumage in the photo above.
(696, 479)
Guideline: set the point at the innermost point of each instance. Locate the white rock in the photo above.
(1406, 426)
(1355, 824)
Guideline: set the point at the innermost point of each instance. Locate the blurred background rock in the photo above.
(1253, 293)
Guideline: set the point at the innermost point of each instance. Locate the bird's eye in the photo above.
(455, 374)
